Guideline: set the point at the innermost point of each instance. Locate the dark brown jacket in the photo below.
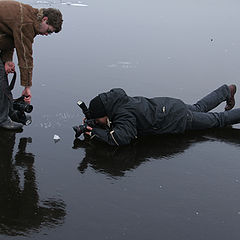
(19, 24)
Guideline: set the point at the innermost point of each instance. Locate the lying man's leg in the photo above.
(213, 99)
(200, 120)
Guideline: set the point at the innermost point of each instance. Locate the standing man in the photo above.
(19, 24)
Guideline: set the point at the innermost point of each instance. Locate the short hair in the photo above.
(54, 18)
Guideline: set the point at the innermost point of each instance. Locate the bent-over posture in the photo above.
(19, 24)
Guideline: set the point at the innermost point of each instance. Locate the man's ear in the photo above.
(44, 19)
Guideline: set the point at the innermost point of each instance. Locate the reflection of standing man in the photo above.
(19, 24)
(21, 209)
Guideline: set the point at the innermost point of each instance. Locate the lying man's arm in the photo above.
(123, 131)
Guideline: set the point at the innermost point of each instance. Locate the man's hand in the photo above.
(89, 133)
(27, 92)
(9, 67)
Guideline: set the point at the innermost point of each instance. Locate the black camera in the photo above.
(88, 122)
(17, 113)
(83, 128)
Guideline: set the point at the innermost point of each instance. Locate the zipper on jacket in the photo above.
(111, 133)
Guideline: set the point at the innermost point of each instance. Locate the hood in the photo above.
(113, 99)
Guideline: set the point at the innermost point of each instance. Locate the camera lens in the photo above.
(28, 108)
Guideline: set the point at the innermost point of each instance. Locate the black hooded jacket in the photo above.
(131, 117)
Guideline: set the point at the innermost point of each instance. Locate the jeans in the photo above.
(5, 94)
(199, 116)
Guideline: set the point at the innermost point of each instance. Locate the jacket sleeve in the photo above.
(6, 53)
(23, 40)
(123, 131)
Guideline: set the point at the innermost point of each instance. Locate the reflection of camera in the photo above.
(19, 107)
(88, 122)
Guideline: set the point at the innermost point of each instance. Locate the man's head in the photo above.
(97, 111)
(51, 21)
(103, 121)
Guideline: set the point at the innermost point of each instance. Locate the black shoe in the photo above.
(11, 125)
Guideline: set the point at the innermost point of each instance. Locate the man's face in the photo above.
(45, 28)
(101, 121)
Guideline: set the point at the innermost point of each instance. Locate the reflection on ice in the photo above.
(117, 161)
(123, 64)
(56, 120)
(51, 3)
(22, 209)
(78, 4)
(43, 2)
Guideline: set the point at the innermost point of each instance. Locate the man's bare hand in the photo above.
(27, 92)
(9, 67)
(89, 133)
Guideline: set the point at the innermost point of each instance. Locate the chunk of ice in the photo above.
(56, 138)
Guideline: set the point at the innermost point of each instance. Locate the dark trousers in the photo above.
(199, 116)
(5, 94)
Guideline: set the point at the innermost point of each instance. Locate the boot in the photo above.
(11, 125)
(231, 101)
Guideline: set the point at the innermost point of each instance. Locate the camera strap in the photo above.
(11, 86)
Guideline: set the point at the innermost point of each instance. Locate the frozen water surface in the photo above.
(168, 187)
